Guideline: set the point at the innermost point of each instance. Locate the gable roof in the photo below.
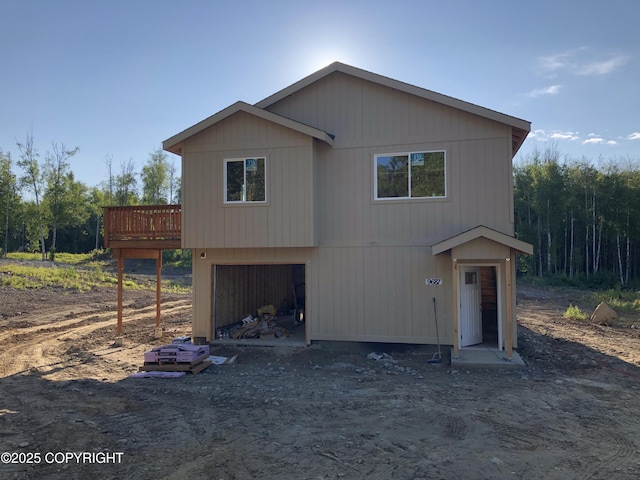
(519, 128)
(174, 144)
(482, 231)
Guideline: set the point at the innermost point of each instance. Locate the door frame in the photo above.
(500, 293)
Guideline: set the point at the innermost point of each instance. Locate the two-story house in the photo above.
(371, 198)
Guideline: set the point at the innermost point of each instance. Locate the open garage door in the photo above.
(243, 290)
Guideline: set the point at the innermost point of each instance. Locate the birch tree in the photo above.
(32, 179)
(9, 199)
(155, 179)
(126, 184)
(57, 194)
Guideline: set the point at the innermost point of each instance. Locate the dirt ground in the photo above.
(327, 411)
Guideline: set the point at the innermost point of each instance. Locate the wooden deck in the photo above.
(143, 226)
(141, 231)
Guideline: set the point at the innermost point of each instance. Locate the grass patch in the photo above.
(81, 272)
(21, 276)
(626, 301)
(175, 287)
(95, 258)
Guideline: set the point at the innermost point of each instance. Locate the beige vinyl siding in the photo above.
(286, 218)
(476, 174)
(378, 294)
(370, 119)
(481, 249)
(360, 113)
(358, 294)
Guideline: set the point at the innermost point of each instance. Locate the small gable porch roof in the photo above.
(482, 232)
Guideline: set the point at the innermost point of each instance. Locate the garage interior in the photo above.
(243, 290)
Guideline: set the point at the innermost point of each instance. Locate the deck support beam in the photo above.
(120, 254)
(120, 286)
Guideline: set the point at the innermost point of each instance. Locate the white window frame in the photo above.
(408, 155)
(244, 193)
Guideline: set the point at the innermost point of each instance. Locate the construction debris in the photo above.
(250, 327)
(182, 340)
(177, 358)
(216, 360)
(267, 310)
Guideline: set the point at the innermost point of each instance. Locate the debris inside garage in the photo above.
(265, 326)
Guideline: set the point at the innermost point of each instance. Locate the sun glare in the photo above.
(320, 60)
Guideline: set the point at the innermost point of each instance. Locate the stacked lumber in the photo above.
(176, 358)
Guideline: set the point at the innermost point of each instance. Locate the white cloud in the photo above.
(565, 136)
(580, 61)
(558, 61)
(539, 134)
(634, 136)
(601, 68)
(544, 136)
(594, 140)
(550, 90)
(612, 142)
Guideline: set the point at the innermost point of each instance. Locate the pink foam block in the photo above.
(177, 353)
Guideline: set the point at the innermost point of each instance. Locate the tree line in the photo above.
(45, 209)
(581, 219)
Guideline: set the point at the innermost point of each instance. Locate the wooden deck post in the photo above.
(158, 286)
(120, 286)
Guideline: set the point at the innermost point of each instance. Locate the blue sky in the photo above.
(119, 77)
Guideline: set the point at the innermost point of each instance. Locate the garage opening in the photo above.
(259, 302)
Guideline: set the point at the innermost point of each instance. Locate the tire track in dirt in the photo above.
(456, 428)
(625, 450)
(42, 345)
(518, 438)
(46, 323)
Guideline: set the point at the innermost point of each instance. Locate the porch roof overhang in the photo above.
(482, 232)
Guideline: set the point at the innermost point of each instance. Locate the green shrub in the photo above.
(574, 313)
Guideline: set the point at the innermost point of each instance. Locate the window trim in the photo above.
(224, 180)
(408, 155)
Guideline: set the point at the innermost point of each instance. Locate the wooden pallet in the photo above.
(191, 367)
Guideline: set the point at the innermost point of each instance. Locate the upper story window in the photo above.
(410, 175)
(245, 180)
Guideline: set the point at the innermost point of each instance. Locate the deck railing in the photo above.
(142, 222)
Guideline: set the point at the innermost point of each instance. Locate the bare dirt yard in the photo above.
(322, 412)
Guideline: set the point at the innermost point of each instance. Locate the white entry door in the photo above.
(470, 306)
